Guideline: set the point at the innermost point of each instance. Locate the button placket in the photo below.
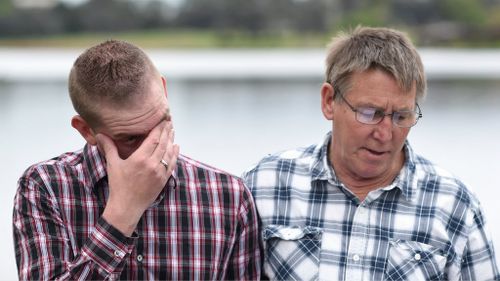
(357, 245)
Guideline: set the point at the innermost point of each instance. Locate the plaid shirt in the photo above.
(202, 227)
(425, 226)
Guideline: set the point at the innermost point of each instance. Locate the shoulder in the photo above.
(292, 168)
(189, 169)
(219, 187)
(449, 188)
(285, 161)
(191, 165)
(51, 179)
(54, 168)
(452, 204)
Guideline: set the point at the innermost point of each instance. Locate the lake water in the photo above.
(232, 123)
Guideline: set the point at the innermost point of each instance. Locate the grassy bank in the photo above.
(180, 39)
(175, 39)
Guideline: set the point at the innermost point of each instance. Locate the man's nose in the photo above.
(383, 130)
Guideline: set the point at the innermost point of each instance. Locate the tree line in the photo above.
(432, 22)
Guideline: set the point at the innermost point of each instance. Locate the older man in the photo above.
(128, 206)
(361, 204)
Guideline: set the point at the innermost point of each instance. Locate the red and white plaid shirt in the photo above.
(203, 226)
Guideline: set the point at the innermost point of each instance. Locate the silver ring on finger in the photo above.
(164, 163)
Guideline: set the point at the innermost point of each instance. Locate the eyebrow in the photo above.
(369, 104)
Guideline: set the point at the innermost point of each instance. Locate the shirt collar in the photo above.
(405, 177)
(94, 165)
(322, 170)
(320, 165)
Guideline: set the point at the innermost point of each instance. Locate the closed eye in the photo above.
(370, 112)
(403, 115)
(132, 140)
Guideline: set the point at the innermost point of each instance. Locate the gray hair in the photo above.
(374, 48)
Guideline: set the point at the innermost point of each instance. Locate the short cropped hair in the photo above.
(374, 48)
(110, 73)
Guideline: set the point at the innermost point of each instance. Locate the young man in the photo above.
(128, 206)
(362, 205)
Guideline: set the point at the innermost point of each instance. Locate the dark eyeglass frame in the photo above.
(381, 114)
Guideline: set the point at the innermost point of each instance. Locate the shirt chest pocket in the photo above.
(410, 260)
(292, 252)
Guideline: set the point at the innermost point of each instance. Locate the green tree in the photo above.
(5, 7)
(470, 12)
(375, 13)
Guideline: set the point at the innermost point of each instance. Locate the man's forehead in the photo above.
(145, 129)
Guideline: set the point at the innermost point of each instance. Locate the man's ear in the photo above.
(327, 100)
(84, 129)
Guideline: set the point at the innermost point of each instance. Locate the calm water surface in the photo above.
(232, 124)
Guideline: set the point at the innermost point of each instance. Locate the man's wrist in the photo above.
(124, 221)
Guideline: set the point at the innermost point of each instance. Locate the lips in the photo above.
(376, 152)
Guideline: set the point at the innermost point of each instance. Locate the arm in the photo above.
(42, 245)
(478, 260)
(42, 237)
(245, 263)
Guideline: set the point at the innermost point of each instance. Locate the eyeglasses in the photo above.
(371, 115)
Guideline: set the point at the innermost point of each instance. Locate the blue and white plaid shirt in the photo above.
(425, 226)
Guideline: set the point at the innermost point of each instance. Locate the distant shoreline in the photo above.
(53, 64)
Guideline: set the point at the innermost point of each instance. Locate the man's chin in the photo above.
(371, 171)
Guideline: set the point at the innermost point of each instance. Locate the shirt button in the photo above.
(355, 257)
(417, 257)
(140, 258)
(117, 253)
